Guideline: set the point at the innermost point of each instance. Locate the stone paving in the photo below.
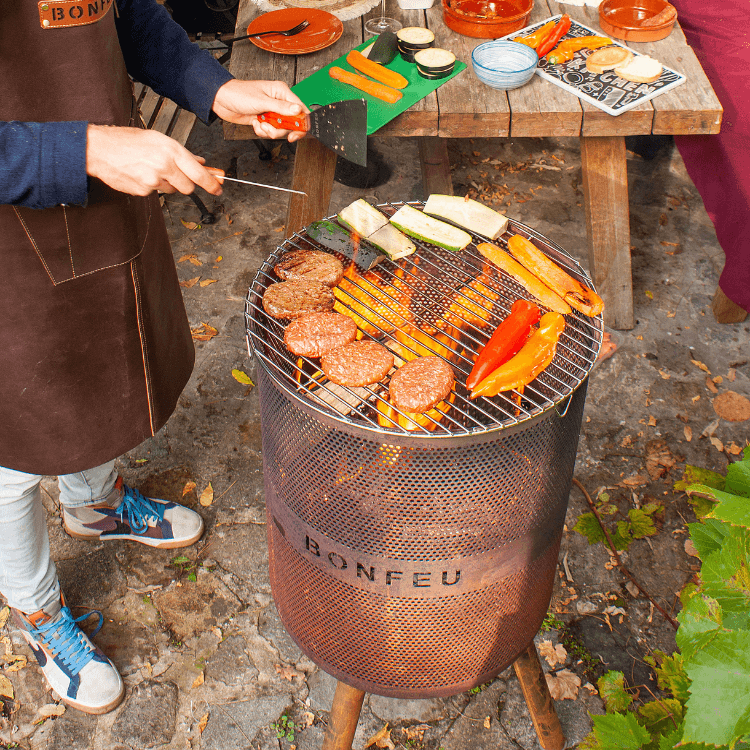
(195, 633)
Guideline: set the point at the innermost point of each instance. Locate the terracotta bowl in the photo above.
(623, 19)
(486, 19)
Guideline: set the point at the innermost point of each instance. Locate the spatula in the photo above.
(342, 126)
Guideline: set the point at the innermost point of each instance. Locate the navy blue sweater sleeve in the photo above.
(44, 164)
(158, 53)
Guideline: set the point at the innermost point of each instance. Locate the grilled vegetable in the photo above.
(572, 291)
(378, 90)
(533, 358)
(467, 213)
(392, 242)
(548, 42)
(362, 218)
(422, 227)
(506, 341)
(372, 69)
(389, 417)
(524, 277)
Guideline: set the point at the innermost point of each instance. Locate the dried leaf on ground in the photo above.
(207, 496)
(651, 421)
(50, 709)
(306, 719)
(732, 406)
(553, 655)
(563, 685)
(242, 377)
(190, 282)
(711, 386)
(6, 687)
(204, 332)
(659, 459)
(700, 365)
(717, 444)
(192, 258)
(288, 673)
(636, 481)
(4, 614)
(199, 680)
(688, 432)
(206, 282)
(191, 225)
(487, 722)
(189, 487)
(202, 723)
(381, 739)
(690, 548)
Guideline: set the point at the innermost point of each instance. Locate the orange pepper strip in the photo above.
(568, 47)
(534, 357)
(532, 40)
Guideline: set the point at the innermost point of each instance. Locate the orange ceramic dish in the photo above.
(486, 19)
(623, 19)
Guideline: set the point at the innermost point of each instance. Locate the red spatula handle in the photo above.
(286, 122)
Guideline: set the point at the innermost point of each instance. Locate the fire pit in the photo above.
(418, 560)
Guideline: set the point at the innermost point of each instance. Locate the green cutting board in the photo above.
(319, 89)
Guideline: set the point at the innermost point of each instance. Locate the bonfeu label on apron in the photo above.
(56, 14)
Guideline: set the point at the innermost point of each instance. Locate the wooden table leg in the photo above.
(605, 188)
(342, 721)
(314, 170)
(436, 166)
(538, 699)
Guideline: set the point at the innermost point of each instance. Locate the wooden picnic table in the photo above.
(466, 108)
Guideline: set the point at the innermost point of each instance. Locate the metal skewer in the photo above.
(260, 184)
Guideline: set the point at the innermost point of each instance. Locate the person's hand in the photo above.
(241, 101)
(138, 162)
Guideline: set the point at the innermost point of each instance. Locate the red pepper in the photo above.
(548, 43)
(506, 341)
(532, 40)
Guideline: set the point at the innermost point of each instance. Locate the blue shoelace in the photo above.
(139, 510)
(66, 640)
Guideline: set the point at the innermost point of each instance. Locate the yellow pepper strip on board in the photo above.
(534, 357)
(582, 298)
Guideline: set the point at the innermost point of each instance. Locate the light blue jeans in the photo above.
(28, 577)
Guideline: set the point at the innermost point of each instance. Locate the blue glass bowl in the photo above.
(504, 65)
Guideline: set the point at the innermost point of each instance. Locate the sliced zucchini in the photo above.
(467, 213)
(392, 242)
(422, 227)
(362, 218)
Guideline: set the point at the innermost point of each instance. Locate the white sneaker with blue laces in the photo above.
(74, 667)
(127, 514)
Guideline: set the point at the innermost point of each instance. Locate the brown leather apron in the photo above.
(95, 345)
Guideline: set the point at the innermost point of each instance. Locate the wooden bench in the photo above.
(165, 116)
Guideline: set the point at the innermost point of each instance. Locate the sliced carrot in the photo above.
(378, 90)
(364, 65)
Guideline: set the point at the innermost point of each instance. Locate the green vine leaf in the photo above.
(671, 675)
(588, 526)
(718, 710)
(642, 525)
(700, 620)
(662, 716)
(738, 476)
(725, 575)
(708, 536)
(612, 690)
(619, 732)
(696, 475)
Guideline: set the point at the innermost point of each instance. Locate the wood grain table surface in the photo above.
(464, 107)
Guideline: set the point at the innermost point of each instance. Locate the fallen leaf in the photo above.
(229, 219)
(16, 662)
(288, 673)
(6, 687)
(710, 428)
(732, 406)
(190, 282)
(612, 610)
(633, 590)
(690, 548)
(651, 421)
(718, 380)
(381, 739)
(306, 719)
(50, 709)
(665, 375)
(733, 448)
(732, 374)
(717, 444)
(199, 680)
(242, 377)
(688, 432)
(591, 688)
(659, 459)
(207, 496)
(700, 365)
(4, 614)
(649, 294)
(553, 655)
(696, 398)
(191, 258)
(671, 314)
(202, 723)
(189, 487)
(206, 282)
(637, 481)
(563, 685)
(191, 225)
(204, 332)
(487, 722)
(711, 386)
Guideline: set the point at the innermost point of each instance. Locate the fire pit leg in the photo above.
(342, 721)
(538, 699)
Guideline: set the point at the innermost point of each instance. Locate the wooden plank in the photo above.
(314, 169)
(691, 108)
(182, 126)
(148, 106)
(467, 107)
(436, 166)
(164, 117)
(605, 189)
(541, 109)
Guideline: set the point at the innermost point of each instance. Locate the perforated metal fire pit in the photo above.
(418, 562)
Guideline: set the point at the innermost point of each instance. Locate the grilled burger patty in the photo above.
(358, 363)
(290, 299)
(421, 384)
(310, 264)
(315, 334)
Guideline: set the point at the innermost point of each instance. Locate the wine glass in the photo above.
(379, 25)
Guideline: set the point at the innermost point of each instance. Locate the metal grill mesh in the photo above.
(418, 563)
